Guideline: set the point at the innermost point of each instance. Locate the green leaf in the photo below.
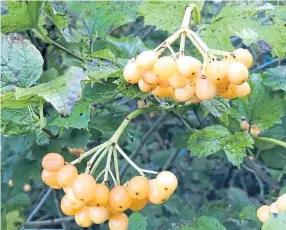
(130, 91)
(104, 54)
(75, 138)
(126, 47)
(14, 220)
(20, 199)
(165, 15)
(257, 109)
(248, 213)
(238, 198)
(137, 222)
(21, 63)
(59, 19)
(98, 69)
(97, 19)
(276, 222)
(275, 78)
(8, 100)
(207, 141)
(274, 157)
(245, 19)
(62, 92)
(18, 121)
(22, 16)
(79, 118)
(216, 107)
(206, 223)
(211, 139)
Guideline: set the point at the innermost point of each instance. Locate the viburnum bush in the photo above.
(143, 115)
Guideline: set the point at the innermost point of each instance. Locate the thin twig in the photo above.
(170, 160)
(58, 209)
(38, 206)
(156, 125)
(157, 135)
(42, 223)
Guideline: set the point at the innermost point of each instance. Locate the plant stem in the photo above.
(116, 166)
(139, 170)
(89, 152)
(49, 40)
(90, 162)
(131, 116)
(102, 155)
(107, 167)
(41, 113)
(271, 140)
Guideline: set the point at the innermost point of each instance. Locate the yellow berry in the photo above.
(144, 87)
(150, 78)
(243, 56)
(237, 73)
(165, 67)
(101, 197)
(156, 196)
(184, 94)
(164, 83)
(204, 89)
(138, 187)
(98, 215)
(137, 205)
(119, 198)
(132, 73)
(263, 213)
(244, 125)
(178, 81)
(163, 92)
(241, 90)
(83, 187)
(166, 182)
(66, 175)
(216, 71)
(118, 222)
(188, 66)
(273, 208)
(281, 203)
(27, 188)
(229, 94)
(147, 59)
(82, 218)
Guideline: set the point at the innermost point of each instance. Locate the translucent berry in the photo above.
(164, 84)
(150, 78)
(66, 175)
(83, 187)
(216, 71)
(138, 187)
(281, 203)
(195, 99)
(165, 67)
(119, 198)
(112, 211)
(166, 182)
(53, 162)
(132, 73)
(229, 94)
(163, 92)
(184, 94)
(147, 59)
(244, 125)
(241, 90)
(188, 66)
(243, 56)
(273, 208)
(155, 196)
(98, 215)
(67, 207)
(144, 87)
(27, 188)
(50, 178)
(263, 213)
(76, 203)
(178, 81)
(137, 205)
(205, 90)
(118, 222)
(237, 73)
(255, 130)
(223, 85)
(101, 197)
(82, 218)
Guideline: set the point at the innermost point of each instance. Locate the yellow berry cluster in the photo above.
(184, 78)
(264, 212)
(92, 202)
